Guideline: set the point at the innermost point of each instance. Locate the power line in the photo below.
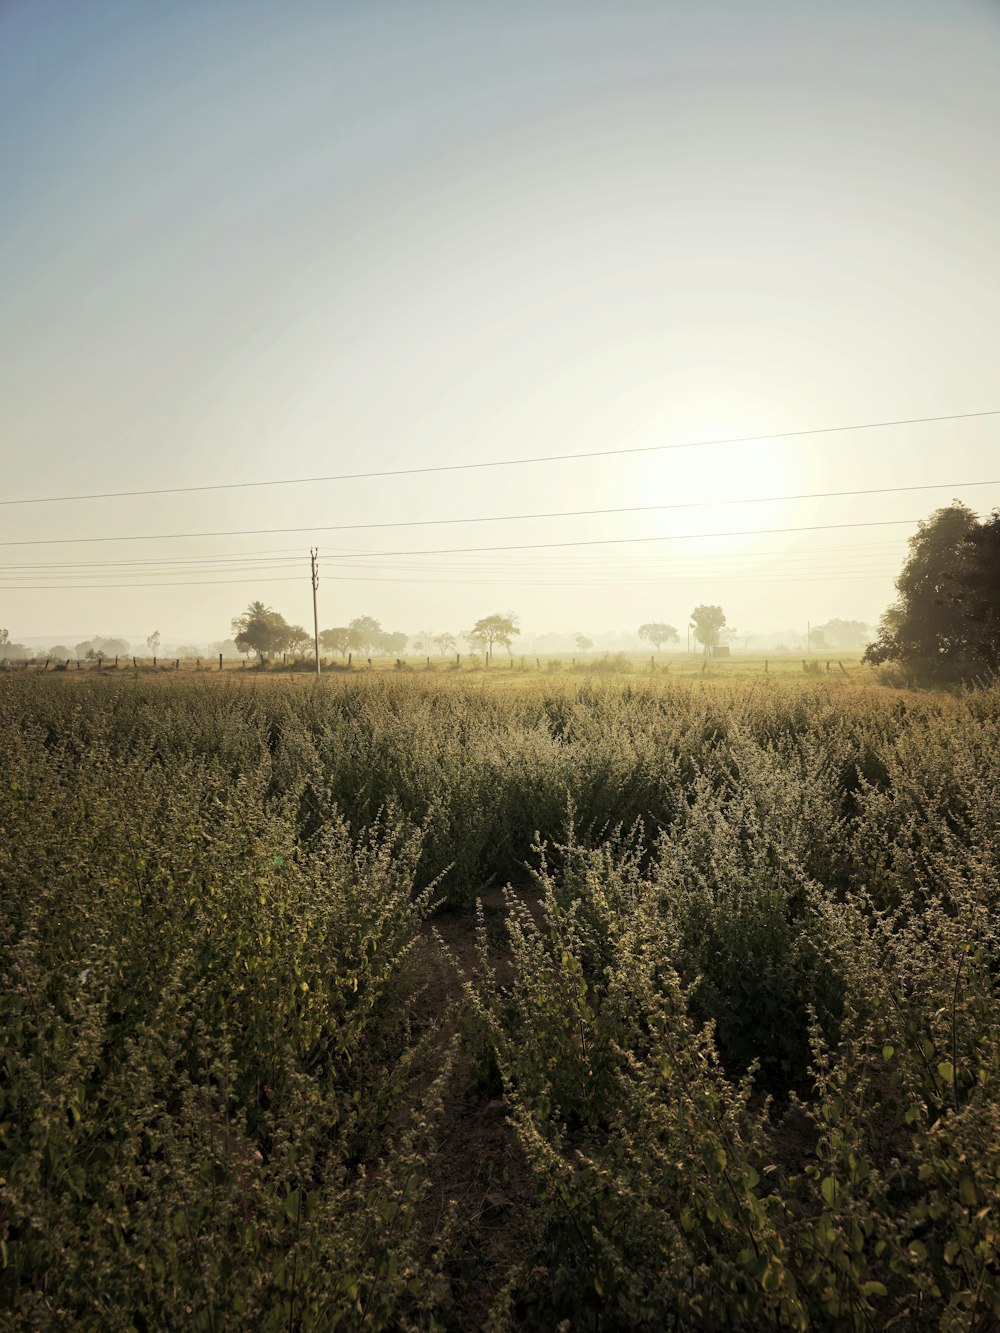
(66, 587)
(136, 564)
(499, 518)
(839, 576)
(507, 462)
(857, 559)
(626, 541)
(605, 541)
(650, 581)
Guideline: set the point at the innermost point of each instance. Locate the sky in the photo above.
(246, 242)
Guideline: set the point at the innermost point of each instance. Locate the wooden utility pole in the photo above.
(314, 563)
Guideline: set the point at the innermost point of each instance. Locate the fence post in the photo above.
(78, 664)
(220, 661)
(369, 664)
(350, 659)
(538, 663)
(154, 663)
(177, 664)
(116, 661)
(458, 659)
(765, 666)
(843, 668)
(428, 661)
(135, 663)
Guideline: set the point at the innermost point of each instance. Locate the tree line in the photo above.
(264, 632)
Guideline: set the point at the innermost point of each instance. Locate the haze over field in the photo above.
(248, 242)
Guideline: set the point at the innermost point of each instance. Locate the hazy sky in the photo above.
(250, 241)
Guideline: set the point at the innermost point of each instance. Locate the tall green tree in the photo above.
(341, 639)
(976, 591)
(495, 629)
(708, 623)
(394, 643)
(369, 632)
(929, 626)
(657, 633)
(262, 631)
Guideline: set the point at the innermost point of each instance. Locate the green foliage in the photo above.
(491, 630)
(658, 633)
(945, 624)
(708, 623)
(264, 631)
(205, 1045)
(742, 1009)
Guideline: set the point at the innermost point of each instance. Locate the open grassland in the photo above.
(504, 668)
(401, 999)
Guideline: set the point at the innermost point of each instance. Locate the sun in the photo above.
(722, 483)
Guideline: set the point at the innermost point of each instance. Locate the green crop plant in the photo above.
(733, 988)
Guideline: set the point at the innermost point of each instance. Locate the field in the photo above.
(518, 667)
(412, 999)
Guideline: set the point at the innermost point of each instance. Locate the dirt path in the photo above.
(478, 1168)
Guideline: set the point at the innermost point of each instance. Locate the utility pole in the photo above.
(314, 564)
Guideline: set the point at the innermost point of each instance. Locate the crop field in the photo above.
(409, 999)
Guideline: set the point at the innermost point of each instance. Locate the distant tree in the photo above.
(112, 647)
(817, 638)
(9, 649)
(153, 642)
(341, 640)
(84, 652)
(422, 641)
(299, 639)
(495, 629)
(261, 630)
(446, 643)
(928, 626)
(60, 653)
(708, 622)
(369, 632)
(657, 633)
(394, 643)
(584, 644)
(226, 647)
(186, 651)
(844, 633)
